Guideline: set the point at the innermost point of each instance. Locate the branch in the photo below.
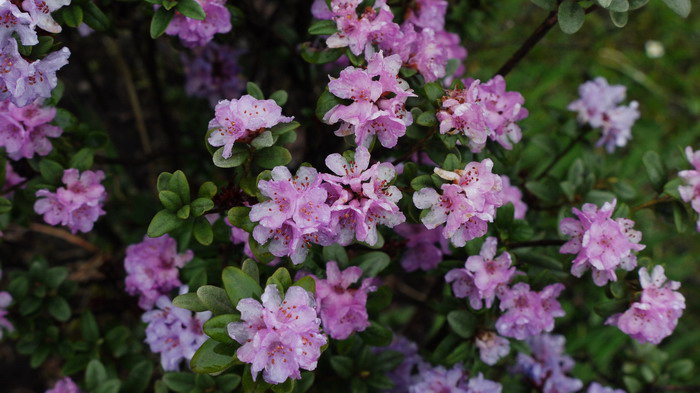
(562, 153)
(663, 199)
(65, 235)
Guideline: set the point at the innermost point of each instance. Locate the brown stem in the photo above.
(663, 199)
(65, 235)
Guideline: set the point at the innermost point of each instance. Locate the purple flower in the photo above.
(374, 25)
(40, 11)
(320, 10)
(193, 32)
(480, 385)
(482, 275)
(595, 387)
(512, 194)
(12, 180)
(598, 106)
(65, 385)
(492, 347)
(462, 113)
(152, 268)
(402, 376)
(77, 205)
(24, 131)
(39, 78)
(174, 332)
(213, 72)
(425, 248)
(656, 314)
(428, 14)
(279, 336)
(13, 20)
(690, 190)
(548, 365)
(528, 313)
(343, 310)
(5, 301)
(241, 120)
(438, 379)
(601, 243)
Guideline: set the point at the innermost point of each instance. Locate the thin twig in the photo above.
(64, 235)
(562, 153)
(663, 199)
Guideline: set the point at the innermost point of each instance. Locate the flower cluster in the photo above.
(241, 120)
(482, 275)
(690, 190)
(512, 194)
(595, 387)
(601, 243)
(5, 301)
(174, 332)
(454, 380)
(466, 205)
(656, 314)
(547, 367)
(65, 385)
(343, 310)
(492, 347)
(402, 376)
(483, 111)
(528, 313)
(213, 72)
(378, 98)
(77, 205)
(279, 336)
(193, 32)
(152, 268)
(599, 106)
(424, 248)
(24, 131)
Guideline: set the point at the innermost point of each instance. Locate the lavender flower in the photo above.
(438, 379)
(690, 190)
(213, 72)
(193, 32)
(528, 313)
(492, 347)
(512, 194)
(595, 387)
(40, 11)
(12, 180)
(5, 301)
(23, 82)
(65, 385)
(402, 376)
(548, 365)
(13, 20)
(25, 131)
(425, 248)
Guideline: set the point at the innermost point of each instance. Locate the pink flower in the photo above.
(40, 11)
(320, 10)
(462, 113)
(65, 385)
(548, 365)
(193, 32)
(482, 275)
(343, 310)
(24, 131)
(5, 301)
(528, 313)
(428, 14)
(241, 120)
(375, 24)
(153, 268)
(425, 248)
(512, 194)
(492, 347)
(77, 205)
(690, 190)
(601, 243)
(279, 336)
(16, 21)
(656, 314)
(12, 180)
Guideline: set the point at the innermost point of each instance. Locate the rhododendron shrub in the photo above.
(359, 196)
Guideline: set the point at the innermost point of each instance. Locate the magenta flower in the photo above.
(77, 205)
(320, 10)
(462, 113)
(13, 20)
(492, 347)
(601, 243)
(482, 275)
(439, 379)
(64, 385)
(512, 194)
(656, 314)
(690, 190)
(12, 180)
(213, 72)
(428, 14)
(599, 106)
(24, 131)
(174, 332)
(595, 387)
(528, 313)
(548, 365)
(279, 336)
(241, 120)
(425, 248)
(152, 268)
(193, 32)
(343, 310)
(5, 301)
(40, 11)
(374, 25)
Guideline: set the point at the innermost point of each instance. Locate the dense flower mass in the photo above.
(174, 332)
(378, 98)
(152, 268)
(438, 379)
(466, 205)
(193, 32)
(599, 106)
(279, 336)
(14, 20)
(527, 313)
(213, 72)
(77, 205)
(601, 243)
(656, 314)
(492, 347)
(548, 365)
(65, 385)
(5, 301)
(690, 190)
(482, 275)
(343, 310)
(241, 120)
(25, 131)
(424, 248)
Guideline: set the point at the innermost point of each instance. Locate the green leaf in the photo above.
(372, 263)
(116, 340)
(451, 163)
(250, 267)
(376, 335)
(571, 16)
(82, 160)
(632, 384)
(73, 15)
(51, 171)
(680, 7)
(215, 299)
(162, 223)
(343, 366)
(59, 308)
(207, 190)
(254, 90)
(250, 386)
(161, 20)
(191, 9)
(462, 322)
(636, 4)
(283, 128)
(282, 277)
(95, 374)
(217, 327)
(178, 183)
(280, 97)
(94, 17)
(421, 182)
(681, 368)
(43, 47)
(307, 283)
(179, 382)
(239, 285)
(549, 5)
(38, 357)
(284, 387)
(540, 260)
(139, 377)
(619, 6)
(610, 307)
(189, 301)
(272, 156)
(336, 252)
(201, 206)
(163, 181)
(213, 357)
(239, 217)
(239, 155)
(604, 3)
(320, 56)
(433, 91)
(263, 140)
(88, 327)
(655, 169)
(5, 205)
(54, 276)
(323, 27)
(427, 119)
(459, 353)
(228, 382)
(326, 102)
(170, 200)
(619, 19)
